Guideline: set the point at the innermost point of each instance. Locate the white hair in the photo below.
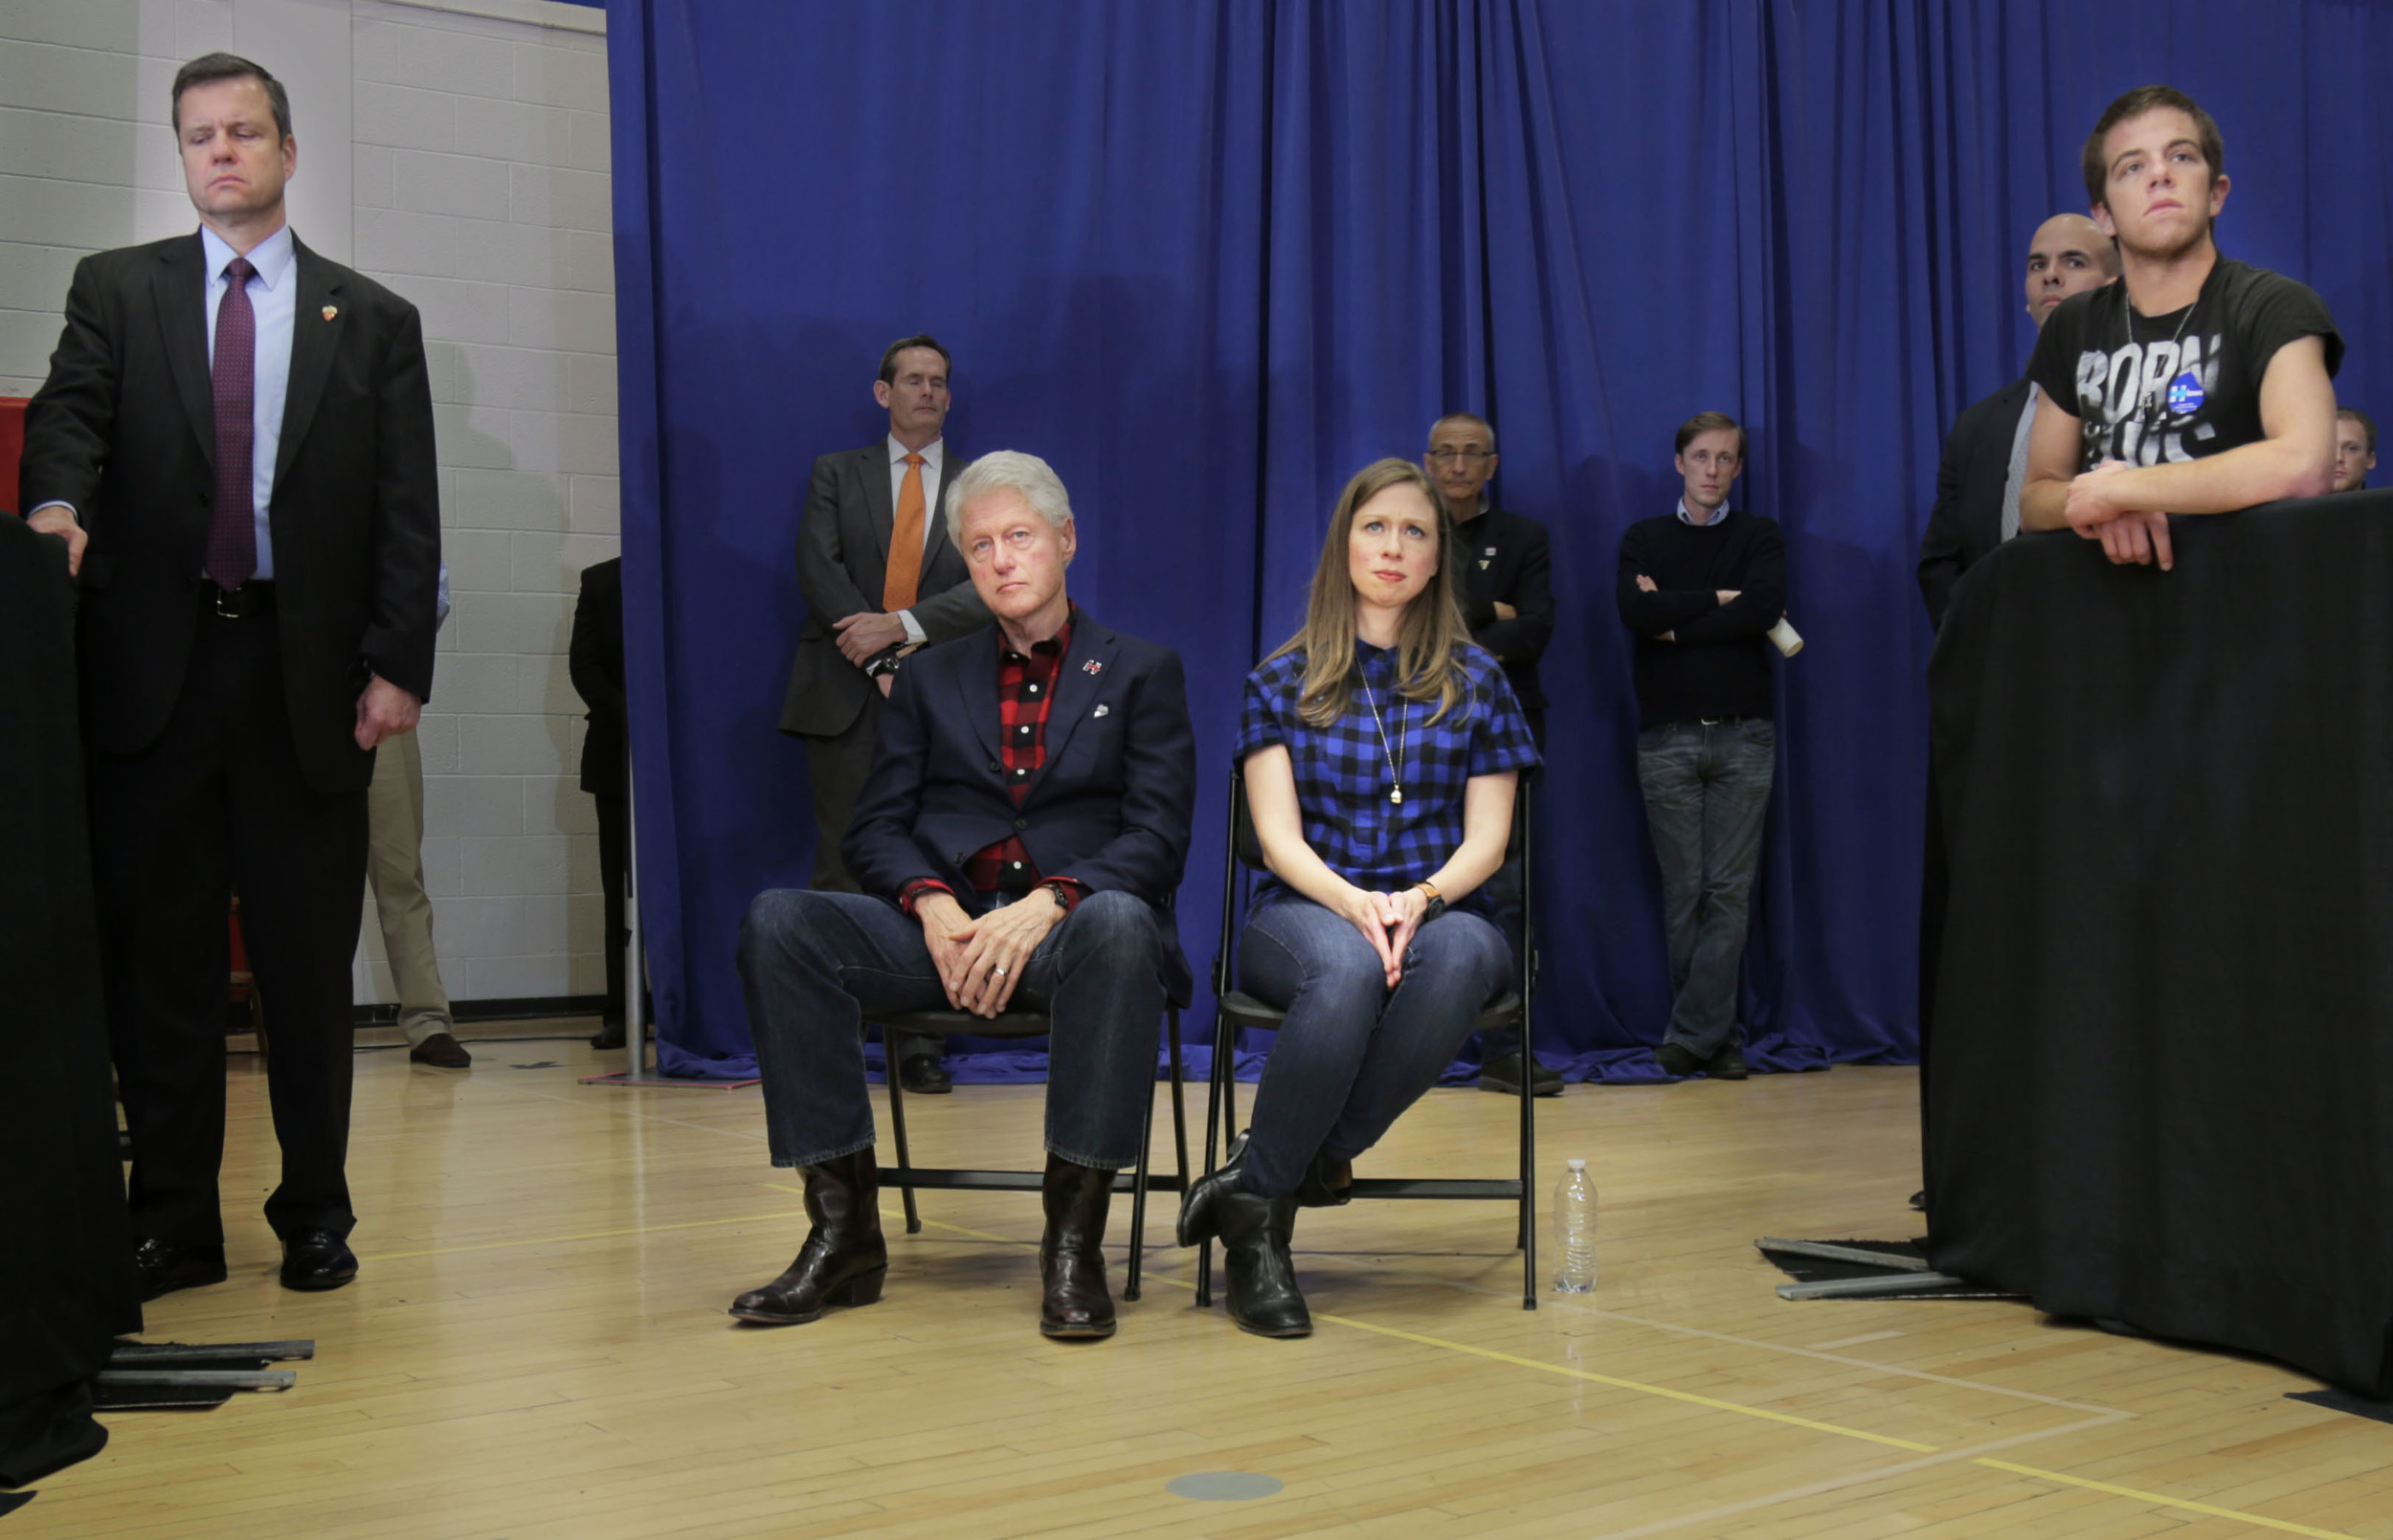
(1008, 470)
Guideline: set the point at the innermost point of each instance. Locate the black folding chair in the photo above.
(1138, 1182)
(1233, 1009)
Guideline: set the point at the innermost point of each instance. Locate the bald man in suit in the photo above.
(881, 578)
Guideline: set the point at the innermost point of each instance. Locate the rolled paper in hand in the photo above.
(1785, 637)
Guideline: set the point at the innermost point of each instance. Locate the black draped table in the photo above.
(66, 1270)
(2158, 956)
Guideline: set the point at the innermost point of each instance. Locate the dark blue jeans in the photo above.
(815, 965)
(1707, 793)
(1354, 1054)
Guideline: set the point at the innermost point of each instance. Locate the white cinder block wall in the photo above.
(457, 151)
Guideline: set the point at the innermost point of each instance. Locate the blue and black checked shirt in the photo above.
(1342, 771)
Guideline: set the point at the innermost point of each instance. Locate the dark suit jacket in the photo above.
(1506, 557)
(596, 657)
(1967, 521)
(1111, 805)
(124, 429)
(842, 561)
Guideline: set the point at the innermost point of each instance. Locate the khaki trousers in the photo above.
(395, 864)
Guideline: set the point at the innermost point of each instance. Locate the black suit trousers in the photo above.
(218, 805)
(836, 767)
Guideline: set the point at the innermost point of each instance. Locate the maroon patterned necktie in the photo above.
(233, 534)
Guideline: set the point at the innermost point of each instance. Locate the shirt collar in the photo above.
(274, 256)
(1720, 515)
(1056, 645)
(932, 453)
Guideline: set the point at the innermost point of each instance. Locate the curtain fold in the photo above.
(1210, 258)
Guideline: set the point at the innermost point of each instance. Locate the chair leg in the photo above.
(1138, 1196)
(897, 1122)
(1529, 1165)
(1180, 1112)
(1220, 1104)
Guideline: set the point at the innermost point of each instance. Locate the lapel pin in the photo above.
(1092, 668)
(1100, 710)
(1483, 567)
(331, 310)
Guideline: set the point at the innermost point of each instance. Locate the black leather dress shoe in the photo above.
(610, 1034)
(314, 1261)
(1503, 1073)
(164, 1267)
(923, 1075)
(1728, 1064)
(1676, 1061)
(441, 1051)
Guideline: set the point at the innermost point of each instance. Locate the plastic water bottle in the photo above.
(1574, 1231)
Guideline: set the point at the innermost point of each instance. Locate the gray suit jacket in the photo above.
(842, 561)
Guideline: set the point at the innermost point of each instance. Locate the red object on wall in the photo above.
(12, 448)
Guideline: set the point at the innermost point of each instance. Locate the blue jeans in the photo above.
(814, 965)
(1354, 1054)
(1707, 793)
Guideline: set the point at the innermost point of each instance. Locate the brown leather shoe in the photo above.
(1073, 1301)
(843, 1261)
(442, 1052)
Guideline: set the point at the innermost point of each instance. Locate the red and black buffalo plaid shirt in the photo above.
(1025, 691)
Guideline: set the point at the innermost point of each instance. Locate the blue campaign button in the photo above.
(2185, 394)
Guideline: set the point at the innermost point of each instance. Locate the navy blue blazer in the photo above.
(1112, 805)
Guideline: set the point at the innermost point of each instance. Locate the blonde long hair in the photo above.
(1428, 637)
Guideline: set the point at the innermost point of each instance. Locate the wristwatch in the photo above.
(1055, 891)
(1436, 905)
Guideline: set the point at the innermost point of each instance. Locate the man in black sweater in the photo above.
(1701, 588)
(1506, 586)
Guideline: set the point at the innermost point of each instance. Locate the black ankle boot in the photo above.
(1073, 1301)
(1197, 1224)
(1254, 1234)
(843, 1261)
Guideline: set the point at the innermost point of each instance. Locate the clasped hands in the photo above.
(2127, 534)
(980, 961)
(1387, 920)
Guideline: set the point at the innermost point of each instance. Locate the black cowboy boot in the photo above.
(1254, 1234)
(843, 1261)
(1073, 1301)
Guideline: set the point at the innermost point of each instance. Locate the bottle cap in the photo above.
(1575, 1164)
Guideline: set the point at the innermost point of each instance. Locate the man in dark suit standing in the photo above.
(1025, 827)
(597, 659)
(236, 440)
(1986, 456)
(1507, 591)
(880, 577)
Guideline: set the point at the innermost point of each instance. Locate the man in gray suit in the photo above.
(881, 578)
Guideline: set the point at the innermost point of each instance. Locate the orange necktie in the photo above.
(906, 541)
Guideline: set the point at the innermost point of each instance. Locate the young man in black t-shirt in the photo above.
(2193, 384)
(1701, 587)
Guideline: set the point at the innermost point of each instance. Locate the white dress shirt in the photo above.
(274, 306)
(935, 457)
(274, 301)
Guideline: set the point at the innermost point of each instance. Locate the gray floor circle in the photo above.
(1223, 1485)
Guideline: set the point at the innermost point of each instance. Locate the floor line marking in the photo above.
(1859, 1478)
(1565, 1371)
(587, 1235)
(1852, 1342)
(2188, 1505)
(1557, 1304)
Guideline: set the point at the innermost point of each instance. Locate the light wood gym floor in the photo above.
(537, 1348)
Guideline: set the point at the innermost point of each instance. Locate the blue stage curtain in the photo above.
(1210, 258)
